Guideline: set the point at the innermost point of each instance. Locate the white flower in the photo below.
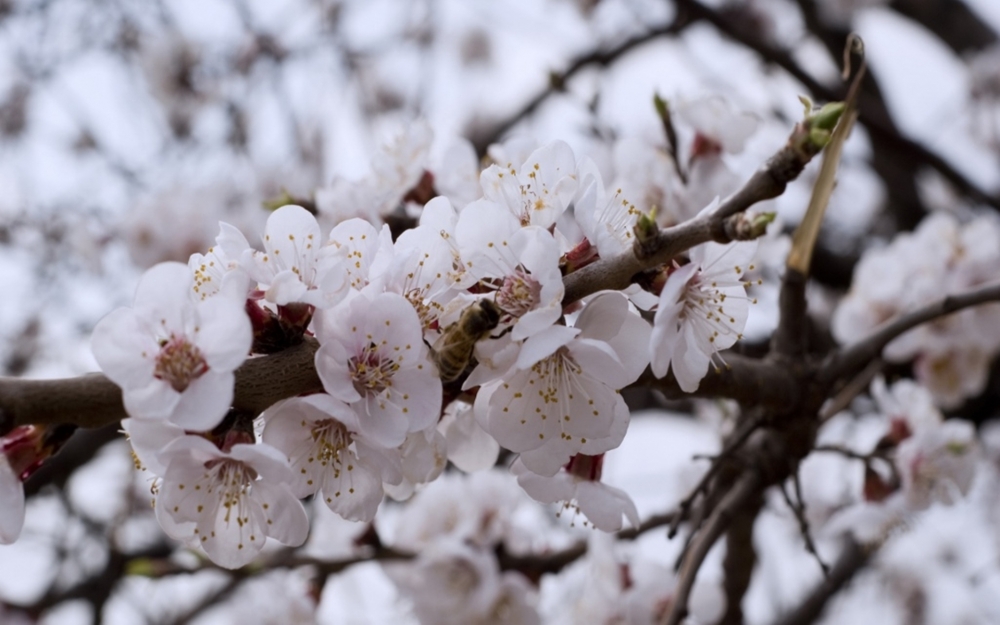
(703, 310)
(397, 167)
(522, 263)
(537, 191)
(908, 405)
(373, 357)
(427, 268)
(563, 388)
(173, 357)
(470, 448)
(607, 219)
(364, 251)
(457, 176)
(400, 162)
(715, 120)
(319, 436)
(295, 266)
(938, 464)
(228, 503)
(423, 457)
(216, 269)
(477, 509)
(454, 583)
(578, 486)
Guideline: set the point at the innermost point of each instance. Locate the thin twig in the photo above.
(770, 181)
(730, 448)
(912, 150)
(853, 388)
(799, 510)
(558, 80)
(852, 559)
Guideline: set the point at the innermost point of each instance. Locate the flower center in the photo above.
(179, 363)
(234, 481)
(371, 373)
(519, 293)
(330, 438)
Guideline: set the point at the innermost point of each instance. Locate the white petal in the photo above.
(124, 348)
(355, 494)
(284, 518)
(604, 505)
(224, 335)
(205, 401)
(163, 297)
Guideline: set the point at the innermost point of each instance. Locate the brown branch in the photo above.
(746, 488)
(953, 21)
(849, 360)
(93, 400)
(750, 381)
(557, 80)
(768, 182)
(881, 130)
(739, 562)
(798, 508)
(852, 559)
(735, 441)
(789, 337)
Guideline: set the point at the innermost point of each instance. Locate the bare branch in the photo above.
(882, 133)
(798, 508)
(557, 80)
(747, 487)
(849, 360)
(852, 559)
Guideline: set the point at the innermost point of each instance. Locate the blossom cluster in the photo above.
(446, 343)
(951, 355)
(918, 459)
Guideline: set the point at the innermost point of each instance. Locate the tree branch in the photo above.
(852, 559)
(747, 487)
(906, 150)
(768, 182)
(750, 381)
(739, 561)
(557, 81)
(849, 360)
(92, 400)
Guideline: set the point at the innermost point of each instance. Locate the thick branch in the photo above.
(852, 358)
(749, 381)
(739, 561)
(93, 400)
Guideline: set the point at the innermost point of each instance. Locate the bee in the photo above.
(460, 338)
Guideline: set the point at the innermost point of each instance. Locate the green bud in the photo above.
(826, 117)
(661, 105)
(759, 223)
(807, 103)
(276, 203)
(646, 232)
(140, 566)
